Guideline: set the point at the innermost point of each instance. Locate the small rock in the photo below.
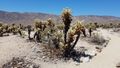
(91, 53)
(85, 59)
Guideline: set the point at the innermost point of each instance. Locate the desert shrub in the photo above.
(98, 38)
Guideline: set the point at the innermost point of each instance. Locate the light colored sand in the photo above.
(14, 46)
(109, 57)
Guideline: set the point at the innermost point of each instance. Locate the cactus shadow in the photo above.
(77, 55)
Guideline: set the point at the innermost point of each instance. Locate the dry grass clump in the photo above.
(98, 38)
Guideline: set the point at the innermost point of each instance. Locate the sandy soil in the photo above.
(15, 46)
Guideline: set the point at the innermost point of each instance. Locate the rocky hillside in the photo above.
(27, 18)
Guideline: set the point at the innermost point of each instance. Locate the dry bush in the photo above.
(98, 38)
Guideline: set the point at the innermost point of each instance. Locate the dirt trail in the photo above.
(109, 57)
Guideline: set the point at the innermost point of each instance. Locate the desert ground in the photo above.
(16, 46)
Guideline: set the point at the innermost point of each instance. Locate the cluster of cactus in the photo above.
(45, 31)
(1, 24)
(61, 35)
(110, 25)
(5, 28)
(38, 23)
(60, 26)
(105, 25)
(1, 29)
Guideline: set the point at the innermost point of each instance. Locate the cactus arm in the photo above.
(77, 38)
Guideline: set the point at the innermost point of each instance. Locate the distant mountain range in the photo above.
(28, 18)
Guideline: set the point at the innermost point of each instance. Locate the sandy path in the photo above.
(108, 58)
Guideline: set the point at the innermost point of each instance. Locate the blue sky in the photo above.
(79, 7)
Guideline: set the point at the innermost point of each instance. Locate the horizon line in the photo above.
(53, 13)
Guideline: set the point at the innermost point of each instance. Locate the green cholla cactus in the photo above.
(29, 27)
(72, 41)
(111, 25)
(5, 27)
(77, 31)
(60, 26)
(1, 24)
(14, 29)
(50, 23)
(37, 35)
(38, 23)
(51, 26)
(118, 25)
(96, 25)
(91, 28)
(1, 31)
(20, 31)
(66, 18)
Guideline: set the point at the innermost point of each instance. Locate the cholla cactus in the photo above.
(71, 37)
(71, 34)
(5, 27)
(1, 24)
(111, 25)
(96, 25)
(20, 30)
(50, 23)
(118, 25)
(69, 43)
(60, 26)
(29, 27)
(44, 25)
(80, 27)
(91, 28)
(77, 30)
(14, 29)
(51, 26)
(66, 18)
(38, 23)
(1, 31)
